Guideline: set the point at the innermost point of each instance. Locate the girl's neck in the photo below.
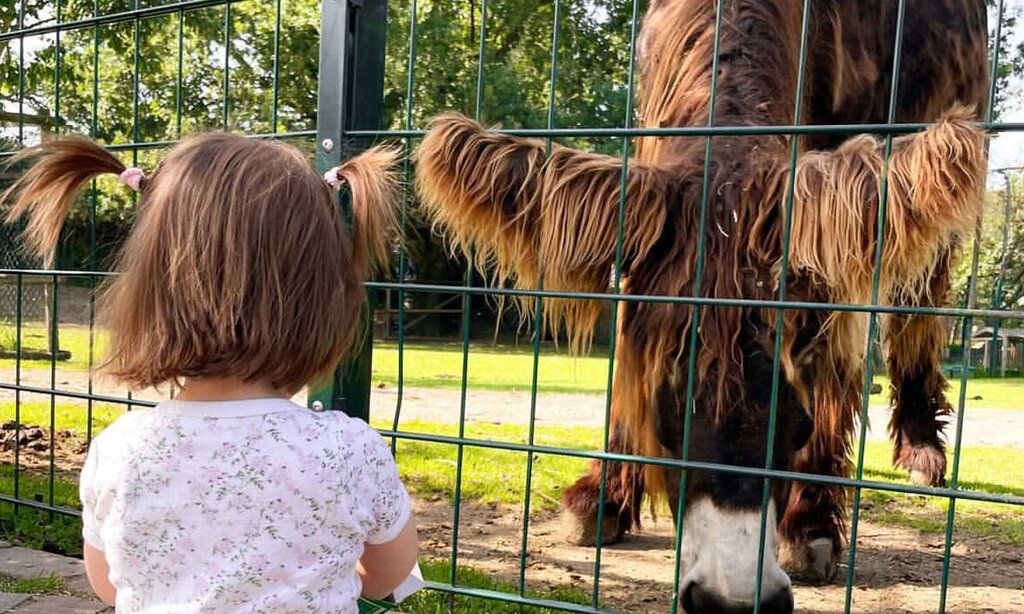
(227, 389)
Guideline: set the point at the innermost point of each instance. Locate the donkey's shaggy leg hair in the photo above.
(624, 491)
(530, 214)
(813, 526)
(919, 404)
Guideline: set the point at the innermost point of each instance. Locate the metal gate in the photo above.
(353, 35)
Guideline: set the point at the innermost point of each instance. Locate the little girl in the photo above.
(239, 282)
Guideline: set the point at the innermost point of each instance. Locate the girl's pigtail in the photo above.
(374, 182)
(44, 193)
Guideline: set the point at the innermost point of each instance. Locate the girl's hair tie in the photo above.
(132, 177)
(332, 178)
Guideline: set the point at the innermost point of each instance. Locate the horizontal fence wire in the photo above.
(112, 18)
(715, 130)
(141, 146)
(669, 463)
(628, 298)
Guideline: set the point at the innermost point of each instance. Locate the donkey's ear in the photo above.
(933, 181)
(527, 212)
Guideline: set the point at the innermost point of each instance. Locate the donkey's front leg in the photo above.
(919, 406)
(624, 491)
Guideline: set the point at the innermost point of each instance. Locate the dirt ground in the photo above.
(898, 570)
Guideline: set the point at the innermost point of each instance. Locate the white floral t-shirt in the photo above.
(239, 506)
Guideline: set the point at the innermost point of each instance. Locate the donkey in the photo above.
(536, 214)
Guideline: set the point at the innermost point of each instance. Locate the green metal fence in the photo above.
(351, 73)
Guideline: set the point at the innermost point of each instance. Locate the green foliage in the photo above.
(590, 88)
(1000, 280)
(98, 94)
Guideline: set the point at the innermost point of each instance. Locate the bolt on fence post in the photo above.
(351, 80)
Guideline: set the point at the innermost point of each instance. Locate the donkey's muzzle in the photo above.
(699, 599)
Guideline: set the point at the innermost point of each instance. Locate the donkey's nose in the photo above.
(699, 599)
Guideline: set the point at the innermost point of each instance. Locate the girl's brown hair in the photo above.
(239, 263)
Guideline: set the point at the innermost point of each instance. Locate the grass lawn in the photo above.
(39, 529)
(430, 602)
(74, 339)
(499, 477)
(67, 416)
(501, 368)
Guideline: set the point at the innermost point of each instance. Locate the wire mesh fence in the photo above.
(335, 77)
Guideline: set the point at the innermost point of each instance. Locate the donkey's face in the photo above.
(721, 531)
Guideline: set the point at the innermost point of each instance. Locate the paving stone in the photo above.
(79, 585)
(24, 563)
(56, 604)
(11, 600)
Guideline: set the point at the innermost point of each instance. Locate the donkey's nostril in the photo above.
(695, 599)
(698, 599)
(779, 603)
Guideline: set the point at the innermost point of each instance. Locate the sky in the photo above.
(1007, 148)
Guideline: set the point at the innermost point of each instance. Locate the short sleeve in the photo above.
(391, 508)
(89, 496)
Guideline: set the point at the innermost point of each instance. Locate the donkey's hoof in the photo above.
(582, 530)
(926, 464)
(813, 562)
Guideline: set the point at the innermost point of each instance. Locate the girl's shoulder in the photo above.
(125, 425)
(339, 425)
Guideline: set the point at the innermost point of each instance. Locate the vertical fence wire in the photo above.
(997, 291)
(965, 337)
(883, 202)
(93, 196)
(226, 120)
(787, 229)
(275, 102)
(467, 323)
(620, 225)
(19, 280)
(53, 343)
(698, 282)
(179, 90)
(404, 221)
(538, 324)
(136, 127)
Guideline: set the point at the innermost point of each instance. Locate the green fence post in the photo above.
(352, 38)
(996, 348)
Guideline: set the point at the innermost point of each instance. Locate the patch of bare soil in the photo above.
(33, 449)
(898, 570)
